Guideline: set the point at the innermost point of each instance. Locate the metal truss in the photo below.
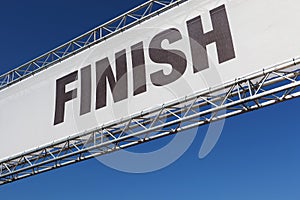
(103, 32)
(258, 90)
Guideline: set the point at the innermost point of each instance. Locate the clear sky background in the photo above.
(257, 156)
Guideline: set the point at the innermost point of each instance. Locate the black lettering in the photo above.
(139, 71)
(62, 96)
(86, 93)
(175, 58)
(118, 86)
(220, 34)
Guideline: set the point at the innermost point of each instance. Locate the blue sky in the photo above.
(257, 156)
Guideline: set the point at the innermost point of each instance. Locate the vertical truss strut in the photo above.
(258, 90)
(99, 34)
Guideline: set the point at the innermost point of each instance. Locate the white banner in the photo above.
(192, 47)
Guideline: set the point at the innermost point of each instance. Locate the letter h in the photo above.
(220, 34)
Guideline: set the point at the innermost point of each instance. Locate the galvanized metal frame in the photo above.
(103, 32)
(258, 90)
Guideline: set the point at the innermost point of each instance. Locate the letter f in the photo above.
(62, 96)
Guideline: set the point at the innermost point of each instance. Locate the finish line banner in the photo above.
(187, 49)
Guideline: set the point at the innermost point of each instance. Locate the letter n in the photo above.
(118, 85)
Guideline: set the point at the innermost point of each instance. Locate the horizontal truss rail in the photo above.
(99, 34)
(258, 90)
